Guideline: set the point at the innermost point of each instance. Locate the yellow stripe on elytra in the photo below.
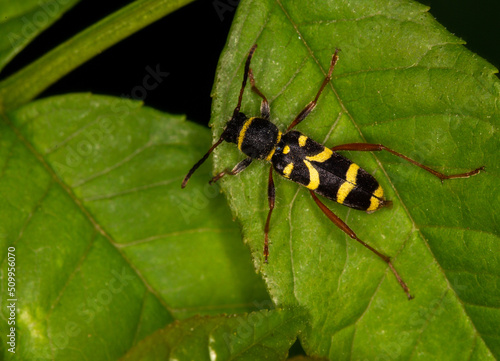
(313, 176)
(352, 173)
(288, 170)
(286, 149)
(321, 157)
(243, 130)
(302, 140)
(343, 191)
(271, 153)
(374, 203)
(375, 199)
(349, 184)
(379, 192)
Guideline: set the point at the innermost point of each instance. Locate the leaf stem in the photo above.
(30, 81)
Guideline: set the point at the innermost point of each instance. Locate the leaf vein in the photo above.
(131, 190)
(126, 159)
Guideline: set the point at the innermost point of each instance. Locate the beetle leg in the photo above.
(345, 228)
(309, 107)
(367, 147)
(238, 168)
(271, 196)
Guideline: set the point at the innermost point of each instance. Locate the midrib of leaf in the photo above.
(98, 228)
(414, 225)
(30, 81)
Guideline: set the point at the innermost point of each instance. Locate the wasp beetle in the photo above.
(304, 161)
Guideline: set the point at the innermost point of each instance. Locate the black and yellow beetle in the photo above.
(306, 162)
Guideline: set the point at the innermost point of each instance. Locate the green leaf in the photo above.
(29, 82)
(108, 247)
(307, 358)
(22, 21)
(255, 336)
(403, 81)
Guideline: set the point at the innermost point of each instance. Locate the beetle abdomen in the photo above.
(327, 173)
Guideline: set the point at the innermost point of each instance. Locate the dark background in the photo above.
(187, 44)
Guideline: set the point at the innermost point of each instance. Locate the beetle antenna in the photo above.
(200, 162)
(245, 78)
(235, 113)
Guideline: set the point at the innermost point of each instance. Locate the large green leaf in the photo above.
(255, 336)
(402, 80)
(108, 248)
